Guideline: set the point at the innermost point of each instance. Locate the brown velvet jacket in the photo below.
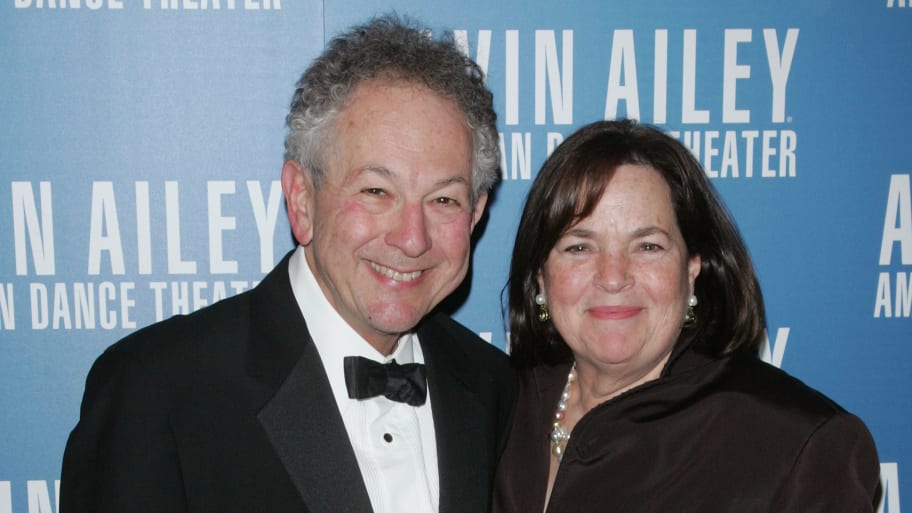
(709, 436)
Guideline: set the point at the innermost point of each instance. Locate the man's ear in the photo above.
(297, 185)
(479, 209)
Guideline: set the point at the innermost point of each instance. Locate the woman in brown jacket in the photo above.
(636, 318)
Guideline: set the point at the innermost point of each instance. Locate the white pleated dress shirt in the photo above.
(394, 443)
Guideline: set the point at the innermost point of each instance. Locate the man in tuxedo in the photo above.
(332, 386)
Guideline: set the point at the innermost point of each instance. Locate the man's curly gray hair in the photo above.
(391, 48)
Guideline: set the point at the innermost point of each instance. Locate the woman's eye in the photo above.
(576, 248)
(374, 191)
(650, 247)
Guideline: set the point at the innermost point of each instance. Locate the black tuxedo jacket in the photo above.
(229, 410)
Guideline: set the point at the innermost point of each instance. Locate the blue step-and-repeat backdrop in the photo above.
(141, 144)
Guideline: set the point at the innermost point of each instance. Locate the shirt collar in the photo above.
(332, 336)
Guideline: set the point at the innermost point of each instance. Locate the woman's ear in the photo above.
(694, 264)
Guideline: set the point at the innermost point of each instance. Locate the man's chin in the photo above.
(397, 322)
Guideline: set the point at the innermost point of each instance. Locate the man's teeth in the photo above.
(395, 275)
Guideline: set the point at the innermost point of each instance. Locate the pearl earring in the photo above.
(689, 314)
(543, 314)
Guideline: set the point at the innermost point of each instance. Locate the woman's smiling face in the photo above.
(617, 282)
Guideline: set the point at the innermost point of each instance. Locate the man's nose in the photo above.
(410, 231)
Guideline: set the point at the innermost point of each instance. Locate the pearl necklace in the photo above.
(559, 433)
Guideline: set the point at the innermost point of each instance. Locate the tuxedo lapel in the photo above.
(301, 418)
(307, 432)
(462, 439)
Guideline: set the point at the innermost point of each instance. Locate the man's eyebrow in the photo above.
(379, 170)
(452, 180)
(386, 173)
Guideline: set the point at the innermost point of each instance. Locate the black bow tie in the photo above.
(402, 383)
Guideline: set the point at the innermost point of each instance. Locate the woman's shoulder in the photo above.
(766, 388)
